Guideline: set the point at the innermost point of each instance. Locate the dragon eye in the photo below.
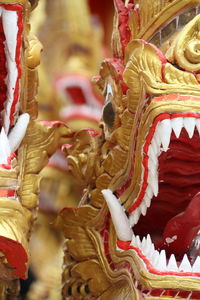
(108, 110)
(109, 114)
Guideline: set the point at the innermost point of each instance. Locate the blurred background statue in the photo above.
(72, 34)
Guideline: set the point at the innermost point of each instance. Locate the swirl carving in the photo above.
(187, 48)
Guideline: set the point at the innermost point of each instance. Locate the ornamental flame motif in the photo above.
(136, 234)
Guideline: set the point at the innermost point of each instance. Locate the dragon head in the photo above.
(25, 144)
(145, 163)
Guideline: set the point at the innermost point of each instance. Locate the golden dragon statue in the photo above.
(25, 143)
(136, 232)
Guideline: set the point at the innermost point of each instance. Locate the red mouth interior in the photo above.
(76, 94)
(175, 212)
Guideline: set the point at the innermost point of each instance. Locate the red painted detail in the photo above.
(17, 58)
(195, 295)
(11, 157)
(7, 193)
(105, 237)
(13, 7)
(68, 208)
(126, 246)
(124, 188)
(176, 97)
(52, 123)
(117, 65)
(92, 132)
(9, 160)
(156, 293)
(160, 56)
(15, 255)
(172, 293)
(3, 69)
(184, 294)
(76, 94)
(66, 147)
(123, 20)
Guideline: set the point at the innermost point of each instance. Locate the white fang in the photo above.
(18, 132)
(119, 218)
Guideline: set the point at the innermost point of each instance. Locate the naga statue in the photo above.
(136, 232)
(25, 143)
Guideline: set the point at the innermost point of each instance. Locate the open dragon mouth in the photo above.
(13, 125)
(78, 90)
(163, 225)
(11, 27)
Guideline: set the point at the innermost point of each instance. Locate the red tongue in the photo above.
(182, 229)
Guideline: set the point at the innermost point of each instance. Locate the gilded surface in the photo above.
(19, 183)
(145, 69)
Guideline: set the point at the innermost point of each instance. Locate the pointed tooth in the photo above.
(153, 182)
(133, 242)
(147, 249)
(198, 125)
(138, 242)
(150, 248)
(172, 265)
(185, 265)
(165, 131)
(157, 136)
(155, 147)
(143, 209)
(153, 166)
(155, 258)
(10, 27)
(151, 252)
(143, 244)
(4, 147)
(177, 125)
(134, 217)
(162, 262)
(152, 155)
(189, 124)
(196, 265)
(149, 192)
(123, 228)
(147, 200)
(149, 241)
(18, 132)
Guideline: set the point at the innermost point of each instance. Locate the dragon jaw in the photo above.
(157, 257)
